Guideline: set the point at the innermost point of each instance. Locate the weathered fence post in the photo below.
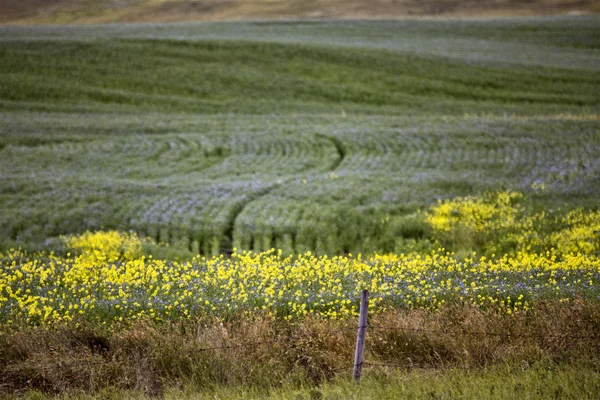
(360, 336)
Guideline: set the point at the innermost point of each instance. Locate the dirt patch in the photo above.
(83, 11)
(48, 10)
(200, 7)
(183, 10)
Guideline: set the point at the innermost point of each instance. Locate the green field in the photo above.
(308, 135)
(321, 136)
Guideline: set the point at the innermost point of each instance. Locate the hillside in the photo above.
(252, 135)
(105, 11)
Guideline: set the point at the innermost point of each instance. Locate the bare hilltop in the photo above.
(111, 11)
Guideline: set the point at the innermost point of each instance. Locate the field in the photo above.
(185, 134)
(241, 182)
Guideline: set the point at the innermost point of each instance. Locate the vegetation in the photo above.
(556, 341)
(109, 280)
(213, 144)
(195, 207)
(541, 380)
(108, 316)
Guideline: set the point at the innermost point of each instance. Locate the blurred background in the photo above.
(104, 11)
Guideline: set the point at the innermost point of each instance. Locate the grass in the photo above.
(537, 381)
(555, 342)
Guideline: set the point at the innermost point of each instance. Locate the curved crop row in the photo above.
(303, 183)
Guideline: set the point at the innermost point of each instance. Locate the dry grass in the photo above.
(83, 11)
(265, 353)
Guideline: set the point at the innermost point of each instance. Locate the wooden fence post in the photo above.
(360, 336)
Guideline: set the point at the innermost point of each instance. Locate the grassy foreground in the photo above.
(537, 381)
(556, 341)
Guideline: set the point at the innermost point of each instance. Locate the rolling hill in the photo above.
(109, 11)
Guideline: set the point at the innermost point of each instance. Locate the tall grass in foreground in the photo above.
(261, 354)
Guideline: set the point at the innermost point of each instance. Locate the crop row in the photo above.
(292, 183)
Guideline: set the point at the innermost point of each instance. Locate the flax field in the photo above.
(200, 205)
(258, 135)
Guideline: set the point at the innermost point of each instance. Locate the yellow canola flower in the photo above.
(497, 223)
(473, 212)
(105, 283)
